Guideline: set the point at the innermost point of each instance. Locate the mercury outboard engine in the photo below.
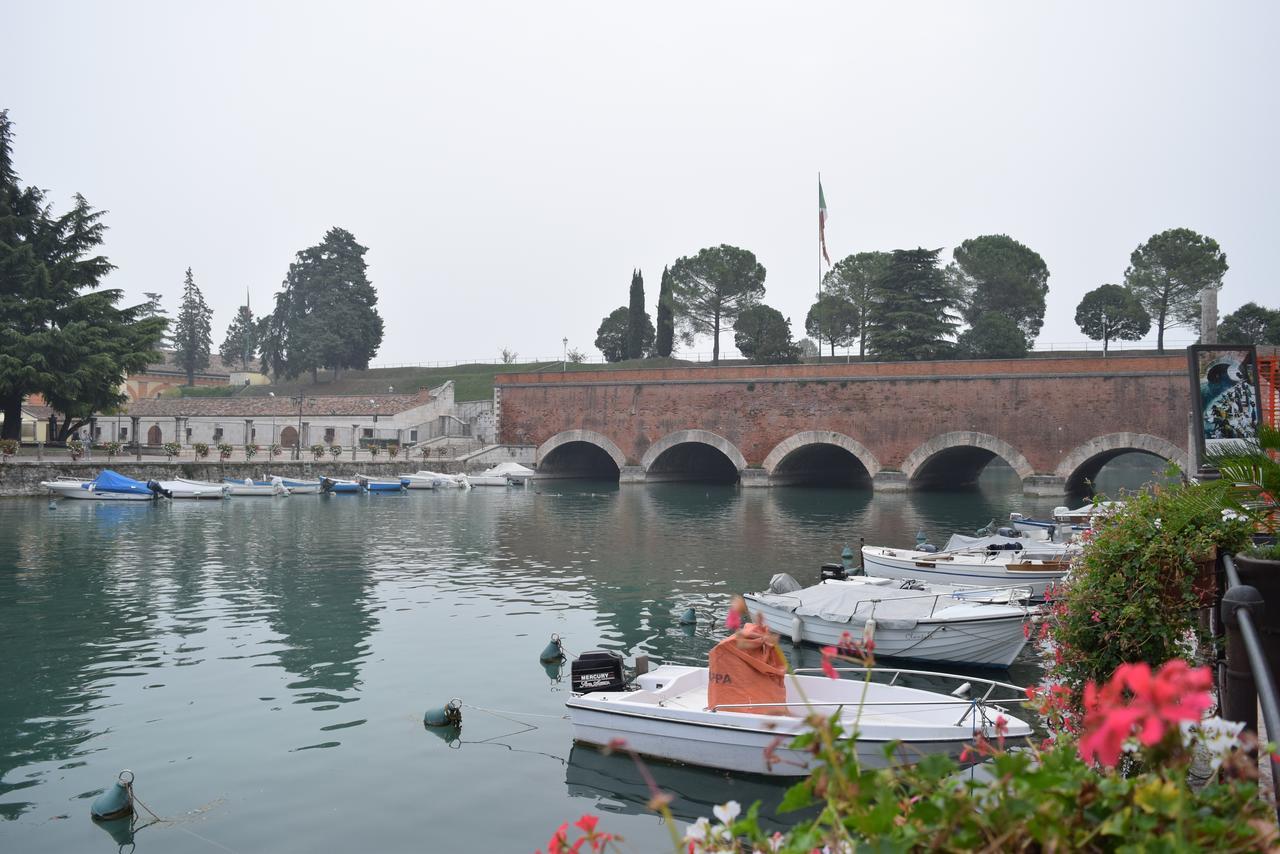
(833, 572)
(597, 670)
(156, 488)
(1006, 532)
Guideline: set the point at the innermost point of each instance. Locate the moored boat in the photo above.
(330, 485)
(982, 567)
(107, 486)
(255, 488)
(503, 474)
(423, 479)
(297, 486)
(194, 489)
(381, 484)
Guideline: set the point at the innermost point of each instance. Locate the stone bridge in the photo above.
(893, 426)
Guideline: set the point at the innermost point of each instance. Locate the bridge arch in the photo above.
(1086, 461)
(790, 457)
(957, 458)
(579, 453)
(693, 455)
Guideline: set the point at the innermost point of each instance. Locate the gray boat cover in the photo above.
(853, 603)
(959, 542)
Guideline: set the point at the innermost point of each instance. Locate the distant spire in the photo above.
(246, 297)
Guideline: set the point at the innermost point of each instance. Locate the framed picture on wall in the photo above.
(1224, 395)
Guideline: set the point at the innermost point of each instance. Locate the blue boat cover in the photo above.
(109, 481)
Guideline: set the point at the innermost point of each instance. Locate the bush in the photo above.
(8, 447)
(251, 451)
(393, 451)
(224, 450)
(275, 449)
(317, 451)
(374, 450)
(201, 450)
(171, 450)
(335, 451)
(112, 448)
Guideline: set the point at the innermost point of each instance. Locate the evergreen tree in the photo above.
(995, 274)
(1112, 313)
(1250, 324)
(993, 336)
(1167, 274)
(193, 331)
(665, 340)
(712, 287)
(326, 315)
(835, 319)
(912, 308)
(763, 335)
(241, 343)
(637, 318)
(850, 280)
(61, 336)
(613, 335)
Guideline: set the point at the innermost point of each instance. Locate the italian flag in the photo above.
(822, 222)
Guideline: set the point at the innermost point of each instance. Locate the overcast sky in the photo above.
(509, 164)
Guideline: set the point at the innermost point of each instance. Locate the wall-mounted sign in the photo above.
(1224, 395)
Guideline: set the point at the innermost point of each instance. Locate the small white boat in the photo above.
(331, 485)
(418, 481)
(503, 474)
(437, 480)
(194, 489)
(1029, 568)
(981, 626)
(381, 484)
(1085, 515)
(250, 487)
(107, 486)
(297, 487)
(665, 714)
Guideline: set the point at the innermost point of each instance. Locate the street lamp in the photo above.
(297, 442)
(272, 395)
(564, 363)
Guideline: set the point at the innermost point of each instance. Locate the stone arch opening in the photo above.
(154, 436)
(693, 455)
(956, 460)
(1081, 467)
(289, 437)
(579, 453)
(821, 458)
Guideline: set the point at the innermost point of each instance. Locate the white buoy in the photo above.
(797, 630)
(869, 632)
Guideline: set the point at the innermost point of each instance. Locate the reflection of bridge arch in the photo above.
(1086, 461)
(670, 457)
(791, 459)
(580, 453)
(958, 458)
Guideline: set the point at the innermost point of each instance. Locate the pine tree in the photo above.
(193, 331)
(637, 318)
(912, 308)
(241, 344)
(712, 287)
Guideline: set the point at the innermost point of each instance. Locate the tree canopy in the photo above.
(1250, 324)
(995, 274)
(912, 308)
(1112, 313)
(850, 279)
(834, 319)
(637, 319)
(61, 336)
(1167, 274)
(993, 336)
(241, 342)
(193, 331)
(712, 287)
(665, 339)
(763, 335)
(326, 316)
(612, 335)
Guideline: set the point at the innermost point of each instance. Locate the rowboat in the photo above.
(664, 713)
(297, 487)
(194, 489)
(981, 567)
(381, 484)
(907, 619)
(107, 486)
(329, 485)
(259, 488)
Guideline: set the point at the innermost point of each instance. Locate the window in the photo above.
(368, 433)
(413, 435)
(188, 434)
(124, 433)
(328, 435)
(253, 434)
(217, 434)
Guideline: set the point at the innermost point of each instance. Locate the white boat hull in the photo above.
(298, 487)
(256, 490)
(414, 481)
(482, 480)
(194, 489)
(998, 569)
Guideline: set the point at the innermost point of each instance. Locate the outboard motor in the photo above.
(597, 670)
(928, 548)
(833, 572)
(156, 488)
(326, 485)
(1006, 532)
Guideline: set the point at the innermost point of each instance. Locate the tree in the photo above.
(712, 287)
(1112, 313)
(851, 278)
(611, 336)
(763, 335)
(60, 335)
(1250, 324)
(808, 349)
(665, 340)
(834, 318)
(637, 319)
(1167, 274)
(993, 336)
(997, 274)
(326, 315)
(192, 333)
(912, 308)
(241, 343)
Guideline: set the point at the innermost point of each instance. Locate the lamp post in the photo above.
(297, 444)
(272, 395)
(564, 363)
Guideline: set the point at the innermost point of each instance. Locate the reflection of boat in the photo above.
(340, 485)
(1027, 567)
(665, 714)
(907, 619)
(194, 489)
(107, 486)
(251, 487)
(297, 487)
(503, 474)
(381, 484)
(616, 782)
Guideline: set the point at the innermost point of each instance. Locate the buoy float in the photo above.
(797, 630)
(553, 651)
(450, 714)
(689, 617)
(116, 802)
(868, 633)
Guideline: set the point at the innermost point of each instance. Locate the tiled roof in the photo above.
(315, 406)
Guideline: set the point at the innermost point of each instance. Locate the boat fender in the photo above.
(553, 651)
(869, 633)
(450, 714)
(927, 548)
(797, 630)
(962, 690)
(116, 802)
(689, 617)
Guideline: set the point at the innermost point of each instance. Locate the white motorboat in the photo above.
(381, 484)
(503, 474)
(250, 488)
(339, 485)
(1029, 567)
(423, 479)
(418, 481)
(194, 489)
(296, 486)
(107, 486)
(907, 619)
(1085, 515)
(665, 714)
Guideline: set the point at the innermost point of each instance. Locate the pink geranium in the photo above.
(1137, 702)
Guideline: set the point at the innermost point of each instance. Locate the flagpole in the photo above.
(819, 333)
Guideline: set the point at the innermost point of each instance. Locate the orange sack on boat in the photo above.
(745, 668)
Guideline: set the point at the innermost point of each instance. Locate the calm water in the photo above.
(264, 665)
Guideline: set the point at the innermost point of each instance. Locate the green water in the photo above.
(263, 665)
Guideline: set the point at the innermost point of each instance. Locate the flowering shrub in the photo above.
(251, 451)
(171, 450)
(275, 449)
(76, 448)
(335, 451)
(317, 451)
(224, 451)
(112, 448)
(201, 450)
(374, 450)
(393, 451)
(598, 840)
(424, 452)
(8, 447)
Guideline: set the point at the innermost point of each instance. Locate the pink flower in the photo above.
(1134, 699)
(738, 613)
(587, 823)
(828, 652)
(1096, 617)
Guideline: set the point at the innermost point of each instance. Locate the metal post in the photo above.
(1239, 688)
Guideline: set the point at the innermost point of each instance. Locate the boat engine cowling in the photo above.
(597, 670)
(783, 583)
(833, 572)
(156, 488)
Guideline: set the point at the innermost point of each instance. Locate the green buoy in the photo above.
(450, 714)
(116, 802)
(689, 617)
(553, 651)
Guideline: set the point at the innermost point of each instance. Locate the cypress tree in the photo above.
(666, 316)
(637, 318)
(193, 332)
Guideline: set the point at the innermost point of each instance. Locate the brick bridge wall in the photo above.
(1049, 418)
